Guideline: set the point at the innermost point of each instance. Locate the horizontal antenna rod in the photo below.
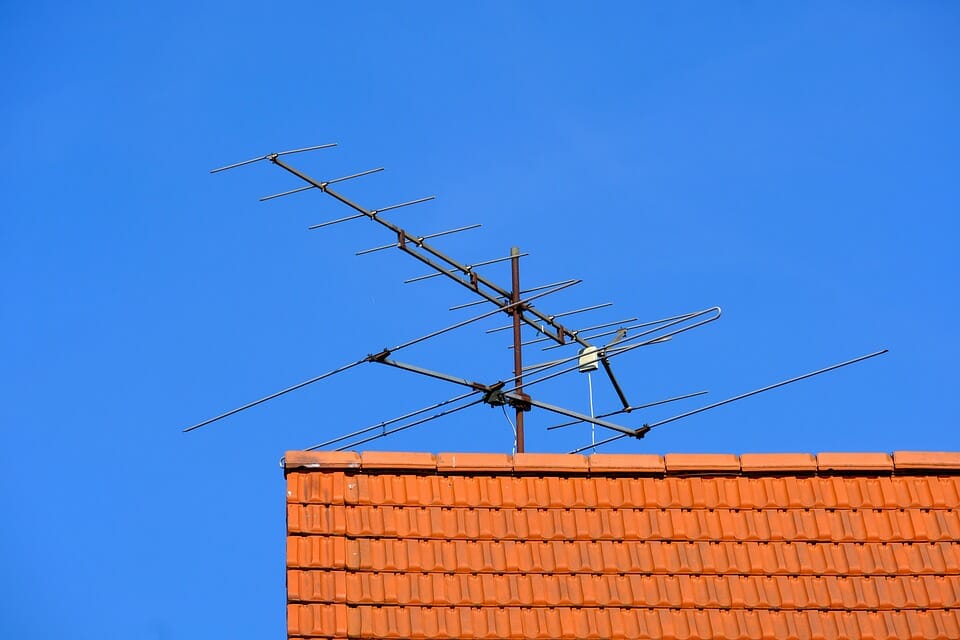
(373, 212)
(469, 268)
(571, 414)
(385, 423)
(287, 193)
(463, 323)
(421, 238)
(647, 427)
(522, 291)
(404, 427)
(310, 186)
(276, 395)
(545, 365)
(632, 409)
(579, 331)
(337, 221)
(561, 315)
(354, 175)
(402, 204)
(272, 155)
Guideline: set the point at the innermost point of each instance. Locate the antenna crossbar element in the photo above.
(476, 386)
(470, 268)
(382, 425)
(287, 193)
(522, 291)
(404, 427)
(617, 323)
(630, 409)
(272, 156)
(419, 241)
(594, 307)
(310, 186)
(276, 395)
(624, 431)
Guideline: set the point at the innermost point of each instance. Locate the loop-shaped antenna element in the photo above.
(607, 354)
(272, 155)
(419, 240)
(639, 433)
(323, 185)
(372, 213)
(560, 315)
(667, 322)
(467, 269)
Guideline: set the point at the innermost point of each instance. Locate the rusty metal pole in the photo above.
(517, 356)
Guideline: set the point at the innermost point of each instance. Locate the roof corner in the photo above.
(320, 460)
(926, 460)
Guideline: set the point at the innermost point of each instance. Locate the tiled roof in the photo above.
(416, 545)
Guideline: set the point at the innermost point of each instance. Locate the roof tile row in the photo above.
(402, 545)
(617, 463)
(594, 590)
(342, 621)
(785, 492)
(889, 525)
(487, 556)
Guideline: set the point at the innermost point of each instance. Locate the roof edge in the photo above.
(830, 463)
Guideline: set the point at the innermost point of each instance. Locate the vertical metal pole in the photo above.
(517, 356)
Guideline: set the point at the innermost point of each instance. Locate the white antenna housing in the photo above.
(589, 359)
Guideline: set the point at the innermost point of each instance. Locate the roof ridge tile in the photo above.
(926, 460)
(777, 462)
(634, 463)
(555, 462)
(398, 460)
(697, 462)
(854, 462)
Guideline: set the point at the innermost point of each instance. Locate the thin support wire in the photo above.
(593, 427)
(513, 450)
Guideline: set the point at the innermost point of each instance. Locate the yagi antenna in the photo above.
(596, 346)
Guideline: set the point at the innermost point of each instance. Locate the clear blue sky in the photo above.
(797, 165)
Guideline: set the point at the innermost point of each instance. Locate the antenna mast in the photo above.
(517, 343)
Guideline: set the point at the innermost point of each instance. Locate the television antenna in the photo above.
(595, 346)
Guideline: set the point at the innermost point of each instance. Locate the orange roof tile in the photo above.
(391, 545)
